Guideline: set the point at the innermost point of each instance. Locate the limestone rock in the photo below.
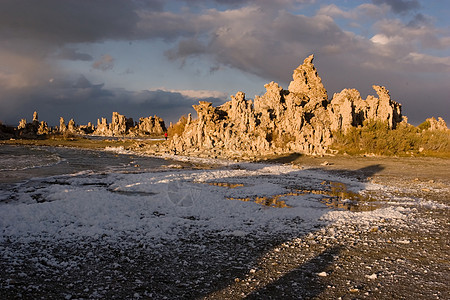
(300, 119)
(383, 108)
(62, 125)
(71, 126)
(307, 82)
(123, 126)
(438, 125)
(102, 127)
(33, 129)
(22, 124)
(347, 109)
(86, 129)
(43, 128)
(151, 125)
(118, 124)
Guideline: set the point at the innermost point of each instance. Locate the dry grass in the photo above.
(405, 140)
(178, 127)
(73, 141)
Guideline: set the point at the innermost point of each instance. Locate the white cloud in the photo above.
(361, 12)
(333, 11)
(380, 39)
(105, 63)
(197, 94)
(428, 63)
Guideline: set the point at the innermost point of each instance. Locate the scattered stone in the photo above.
(374, 229)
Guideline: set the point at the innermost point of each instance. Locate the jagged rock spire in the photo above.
(307, 82)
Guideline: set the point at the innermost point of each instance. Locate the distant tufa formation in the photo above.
(300, 119)
(29, 130)
(119, 126)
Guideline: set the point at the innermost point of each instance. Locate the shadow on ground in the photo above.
(194, 264)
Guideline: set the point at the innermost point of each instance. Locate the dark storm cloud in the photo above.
(186, 48)
(270, 43)
(35, 33)
(86, 102)
(265, 43)
(400, 6)
(241, 3)
(419, 20)
(73, 54)
(257, 37)
(70, 21)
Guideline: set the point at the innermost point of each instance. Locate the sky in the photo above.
(85, 59)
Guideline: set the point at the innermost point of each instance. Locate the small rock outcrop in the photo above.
(347, 109)
(437, 125)
(62, 125)
(122, 126)
(151, 126)
(33, 129)
(300, 119)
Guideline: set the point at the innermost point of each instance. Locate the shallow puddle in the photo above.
(132, 193)
(226, 184)
(271, 201)
(336, 196)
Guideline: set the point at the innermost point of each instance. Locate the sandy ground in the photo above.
(407, 262)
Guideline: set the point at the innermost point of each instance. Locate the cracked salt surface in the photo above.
(113, 220)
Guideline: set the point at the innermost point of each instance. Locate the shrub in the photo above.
(281, 138)
(178, 127)
(425, 125)
(376, 137)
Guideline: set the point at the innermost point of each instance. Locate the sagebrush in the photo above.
(376, 137)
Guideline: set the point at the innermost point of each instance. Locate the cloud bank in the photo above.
(392, 43)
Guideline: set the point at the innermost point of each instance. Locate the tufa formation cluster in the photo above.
(300, 119)
(119, 126)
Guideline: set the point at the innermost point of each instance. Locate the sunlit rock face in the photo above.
(438, 125)
(151, 125)
(33, 129)
(300, 119)
(123, 126)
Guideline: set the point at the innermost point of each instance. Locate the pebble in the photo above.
(374, 229)
(322, 274)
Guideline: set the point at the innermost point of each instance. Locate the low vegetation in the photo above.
(178, 127)
(74, 141)
(376, 137)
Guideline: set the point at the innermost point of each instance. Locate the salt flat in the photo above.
(238, 230)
